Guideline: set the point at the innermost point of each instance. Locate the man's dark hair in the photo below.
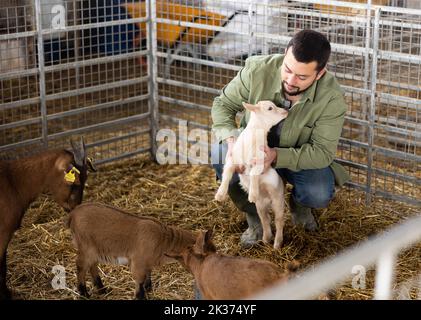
(308, 46)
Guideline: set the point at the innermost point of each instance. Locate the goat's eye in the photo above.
(270, 109)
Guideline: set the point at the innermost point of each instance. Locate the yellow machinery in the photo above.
(171, 34)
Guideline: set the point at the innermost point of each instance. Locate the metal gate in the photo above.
(116, 71)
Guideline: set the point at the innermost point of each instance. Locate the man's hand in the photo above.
(269, 158)
(230, 142)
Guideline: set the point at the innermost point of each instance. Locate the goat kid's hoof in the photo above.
(220, 196)
(277, 245)
(83, 291)
(103, 291)
(252, 198)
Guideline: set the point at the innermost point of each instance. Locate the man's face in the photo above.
(296, 76)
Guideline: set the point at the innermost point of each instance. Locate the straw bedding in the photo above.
(182, 195)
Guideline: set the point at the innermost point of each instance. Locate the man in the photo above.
(303, 146)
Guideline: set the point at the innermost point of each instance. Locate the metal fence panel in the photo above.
(79, 67)
(375, 56)
(85, 74)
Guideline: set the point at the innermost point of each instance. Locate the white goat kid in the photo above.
(265, 189)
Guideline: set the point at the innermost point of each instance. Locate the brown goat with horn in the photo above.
(60, 173)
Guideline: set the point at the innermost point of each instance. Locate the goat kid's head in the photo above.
(202, 248)
(266, 113)
(72, 175)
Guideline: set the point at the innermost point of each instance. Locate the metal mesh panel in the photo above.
(382, 89)
(79, 67)
(89, 77)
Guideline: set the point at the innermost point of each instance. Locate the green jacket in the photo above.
(310, 133)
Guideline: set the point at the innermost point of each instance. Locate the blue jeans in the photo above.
(313, 188)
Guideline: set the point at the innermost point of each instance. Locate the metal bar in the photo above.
(20, 144)
(372, 106)
(324, 2)
(19, 103)
(400, 198)
(386, 97)
(101, 125)
(186, 104)
(196, 25)
(20, 73)
(118, 138)
(21, 123)
(153, 73)
(250, 27)
(188, 123)
(94, 25)
(384, 276)
(96, 107)
(351, 164)
(401, 131)
(123, 156)
(41, 66)
(18, 35)
(399, 56)
(189, 86)
(91, 62)
(367, 61)
(100, 87)
(400, 24)
(199, 61)
(328, 273)
(409, 11)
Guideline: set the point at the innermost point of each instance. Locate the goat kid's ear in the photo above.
(208, 236)
(250, 107)
(203, 238)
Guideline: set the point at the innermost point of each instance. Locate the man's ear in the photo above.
(321, 73)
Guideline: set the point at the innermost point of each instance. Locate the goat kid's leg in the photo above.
(253, 187)
(278, 207)
(5, 293)
(82, 267)
(140, 274)
(97, 279)
(262, 210)
(227, 174)
(148, 282)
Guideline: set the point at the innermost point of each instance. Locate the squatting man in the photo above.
(302, 147)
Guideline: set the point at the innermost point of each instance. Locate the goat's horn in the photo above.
(78, 152)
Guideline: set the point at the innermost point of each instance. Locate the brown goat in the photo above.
(21, 181)
(223, 277)
(105, 234)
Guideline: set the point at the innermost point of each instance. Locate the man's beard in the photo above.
(295, 93)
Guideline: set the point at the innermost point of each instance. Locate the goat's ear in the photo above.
(62, 164)
(250, 107)
(200, 242)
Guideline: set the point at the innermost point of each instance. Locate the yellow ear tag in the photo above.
(70, 176)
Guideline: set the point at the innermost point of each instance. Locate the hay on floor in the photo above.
(182, 195)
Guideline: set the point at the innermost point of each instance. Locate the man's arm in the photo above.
(226, 106)
(320, 151)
